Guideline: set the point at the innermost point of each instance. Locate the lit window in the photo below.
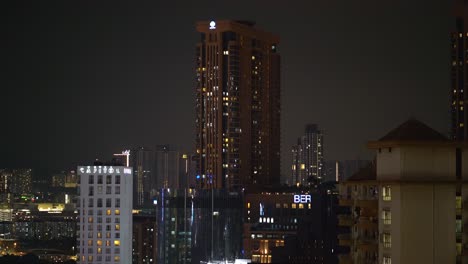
(387, 240)
(90, 258)
(301, 206)
(116, 258)
(108, 243)
(248, 205)
(387, 216)
(90, 219)
(99, 243)
(293, 206)
(387, 193)
(387, 260)
(117, 243)
(108, 212)
(117, 212)
(117, 227)
(90, 242)
(99, 250)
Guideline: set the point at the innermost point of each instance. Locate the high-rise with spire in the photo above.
(237, 105)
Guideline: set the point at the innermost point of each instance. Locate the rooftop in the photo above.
(413, 130)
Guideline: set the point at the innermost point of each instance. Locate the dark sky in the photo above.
(85, 79)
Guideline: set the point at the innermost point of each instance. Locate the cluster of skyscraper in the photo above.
(226, 201)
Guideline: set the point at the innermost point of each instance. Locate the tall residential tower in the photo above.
(238, 105)
(307, 155)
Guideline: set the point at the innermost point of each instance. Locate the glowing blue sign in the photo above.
(302, 198)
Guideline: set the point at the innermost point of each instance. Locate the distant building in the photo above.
(237, 105)
(332, 171)
(143, 162)
(459, 73)
(15, 181)
(58, 179)
(167, 168)
(70, 179)
(187, 170)
(418, 175)
(45, 225)
(350, 167)
(308, 163)
(105, 214)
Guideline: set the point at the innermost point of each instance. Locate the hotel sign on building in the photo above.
(302, 198)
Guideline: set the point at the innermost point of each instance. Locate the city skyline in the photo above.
(68, 69)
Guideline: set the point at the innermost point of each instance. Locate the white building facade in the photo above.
(105, 214)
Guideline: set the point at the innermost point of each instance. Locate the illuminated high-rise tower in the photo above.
(105, 214)
(459, 72)
(307, 162)
(238, 105)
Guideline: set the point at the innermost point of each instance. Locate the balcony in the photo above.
(367, 222)
(345, 201)
(345, 259)
(345, 220)
(344, 240)
(368, 244)
(367, 203)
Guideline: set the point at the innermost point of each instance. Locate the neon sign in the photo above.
(102, 169)
(302, 198)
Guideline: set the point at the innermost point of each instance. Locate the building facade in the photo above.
(105, 214)
(459, 72)
(359, 224)
(414, 210)
(291, 226)
(237, 105)
(307, 158)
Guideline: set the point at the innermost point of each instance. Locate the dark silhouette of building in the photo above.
(459, 72)
(145, 238)
(143, 164)
(199, 225)
(238, 105)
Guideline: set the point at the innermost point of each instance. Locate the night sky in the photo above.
(85, 79)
